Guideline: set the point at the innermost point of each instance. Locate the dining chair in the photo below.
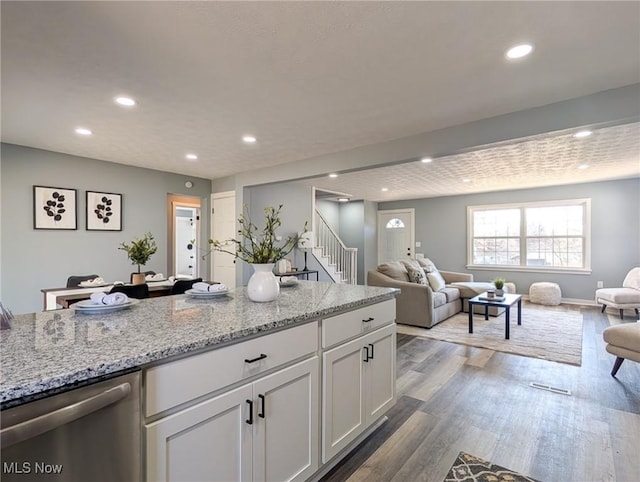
(139, 292)
(73, 281)
(183, 285)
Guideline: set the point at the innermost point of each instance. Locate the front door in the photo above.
(396, 236)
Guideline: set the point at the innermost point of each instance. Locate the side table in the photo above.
(299, 273)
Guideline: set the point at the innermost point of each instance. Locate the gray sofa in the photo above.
(419, 304)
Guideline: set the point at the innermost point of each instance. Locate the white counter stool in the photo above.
(545, 293)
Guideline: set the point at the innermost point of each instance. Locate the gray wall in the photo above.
(35, 259)
(330, 211)
(441, 227)
(370, 236)
(352, 231)
(297, 209)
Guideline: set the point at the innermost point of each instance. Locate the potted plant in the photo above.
(499, 284)
(139, 252)
(261, 249)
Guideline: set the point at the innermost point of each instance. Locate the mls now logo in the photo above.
(31, 468)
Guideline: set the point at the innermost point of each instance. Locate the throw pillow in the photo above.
(394, 270)
(436, 281)
(427, 265)
(417, 275)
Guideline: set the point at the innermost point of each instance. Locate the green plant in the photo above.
(140, 249)
(499, 283)
(255, 246)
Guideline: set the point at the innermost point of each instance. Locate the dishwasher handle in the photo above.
(49, 421)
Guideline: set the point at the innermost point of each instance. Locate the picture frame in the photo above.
(55, 208)
(104, 211)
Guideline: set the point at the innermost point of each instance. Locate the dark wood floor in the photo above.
(454, 398)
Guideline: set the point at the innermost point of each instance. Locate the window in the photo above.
(551, 235)
(395, 223)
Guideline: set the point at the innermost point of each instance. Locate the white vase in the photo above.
(263, 285)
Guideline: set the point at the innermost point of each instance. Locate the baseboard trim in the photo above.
(326, 468)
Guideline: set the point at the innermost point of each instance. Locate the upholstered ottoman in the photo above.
(469, 289)
(545, 293)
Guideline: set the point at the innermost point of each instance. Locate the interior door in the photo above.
(183, 227)
(223, 226)
(185, 231)
(396, 235)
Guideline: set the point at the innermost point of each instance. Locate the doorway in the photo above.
(183, 236)
(396, 235)
(223, 226)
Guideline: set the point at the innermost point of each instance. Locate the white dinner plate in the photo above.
(88, 306)
(205, 294)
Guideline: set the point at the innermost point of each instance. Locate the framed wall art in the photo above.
(104, 211)
(54, 208)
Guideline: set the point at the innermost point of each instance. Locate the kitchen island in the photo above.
(314, 344)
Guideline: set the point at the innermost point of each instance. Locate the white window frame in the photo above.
(586, 269)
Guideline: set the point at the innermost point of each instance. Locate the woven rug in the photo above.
(550, 333)
(468, 468)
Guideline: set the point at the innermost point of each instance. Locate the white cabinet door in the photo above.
(359, 387)
(286, 424)
(380, 380)
(342, 404)
(210, 441)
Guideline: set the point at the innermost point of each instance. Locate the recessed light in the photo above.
(583, 166)
(343, 199)
(249, 139)
(426, 160)
(466, 180)
(384, 189)
(191, 157)
(83, 131)
(582, 134)
(519, 51)
(333, 174)
(125, 101)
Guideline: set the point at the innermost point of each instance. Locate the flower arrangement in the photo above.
(255, 246)
(140, 249)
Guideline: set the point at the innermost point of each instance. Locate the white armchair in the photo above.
(627, 297)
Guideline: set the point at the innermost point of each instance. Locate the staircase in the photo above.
(338, 261)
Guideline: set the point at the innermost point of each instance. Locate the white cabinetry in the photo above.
(265, 429)
(358, 384)
(250, 411)
(209, 441)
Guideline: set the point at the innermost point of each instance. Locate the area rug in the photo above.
(468, 468)
(550, 333)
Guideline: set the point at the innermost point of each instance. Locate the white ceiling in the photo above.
(548, 160)
(313, 78)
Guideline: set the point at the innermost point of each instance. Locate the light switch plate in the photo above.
(418, 244)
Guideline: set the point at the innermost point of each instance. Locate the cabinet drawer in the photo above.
(182, 380)
(353, 323)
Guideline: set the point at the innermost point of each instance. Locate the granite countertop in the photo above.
(53, 349)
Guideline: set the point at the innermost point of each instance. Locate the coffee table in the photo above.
(508, 301)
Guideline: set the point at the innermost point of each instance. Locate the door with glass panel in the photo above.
(396, 235)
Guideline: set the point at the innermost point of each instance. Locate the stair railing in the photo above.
(345, 259)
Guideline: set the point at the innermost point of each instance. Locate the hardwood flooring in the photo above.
(454, 398)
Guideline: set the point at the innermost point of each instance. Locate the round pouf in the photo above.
(545, 293)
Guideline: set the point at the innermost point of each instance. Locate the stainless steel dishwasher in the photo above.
(90, 433)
